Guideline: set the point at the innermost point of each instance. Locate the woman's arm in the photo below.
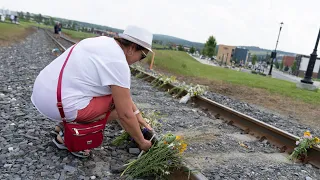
(124, 106)
(140, 118)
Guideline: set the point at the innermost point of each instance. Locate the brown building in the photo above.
(225, 53)
(288, 61)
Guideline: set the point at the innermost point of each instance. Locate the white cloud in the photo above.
(233, 22)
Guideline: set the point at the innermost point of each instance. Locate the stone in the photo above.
(56, 175)
(93, 177)
(7, 166)
(10, 149)
(70, 169)
(135, 151)
(62, 176)
(308, 178)
(114, 153)
(12, 126)
(306, 86)
(116, 168)
(44, 173)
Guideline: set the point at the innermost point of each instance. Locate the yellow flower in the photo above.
(182, 147)
(307, 133)
(178, 137)
(317, 140)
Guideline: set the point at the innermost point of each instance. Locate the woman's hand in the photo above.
(143, 122)
(145, 145)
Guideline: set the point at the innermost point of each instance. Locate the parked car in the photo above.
(202, 57)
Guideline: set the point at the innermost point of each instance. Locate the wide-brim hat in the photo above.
(138, 36)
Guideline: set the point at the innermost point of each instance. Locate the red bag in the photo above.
(79, 137)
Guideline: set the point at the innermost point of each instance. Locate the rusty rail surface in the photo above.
(186, 172)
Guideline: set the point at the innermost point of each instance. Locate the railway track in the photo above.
(284, 140)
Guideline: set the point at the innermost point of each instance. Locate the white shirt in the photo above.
(94, 64)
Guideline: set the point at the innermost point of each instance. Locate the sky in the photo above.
(231, 22)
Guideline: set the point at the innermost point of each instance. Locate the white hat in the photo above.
(138, 35)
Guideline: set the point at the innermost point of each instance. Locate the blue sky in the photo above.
(232, 22)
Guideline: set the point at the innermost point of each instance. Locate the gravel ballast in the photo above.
(218, 150)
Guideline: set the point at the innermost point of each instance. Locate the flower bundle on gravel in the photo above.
(152, 119)
(303, 144)
(160, 160)
(178, 90)
(163, 80)
(197, 90)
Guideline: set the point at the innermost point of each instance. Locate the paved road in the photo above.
(280, 75)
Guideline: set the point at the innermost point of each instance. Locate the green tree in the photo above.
(192, 50)
(286, 68)
(180, 48)
(210, 46)
(51, 20)
(294, 67)
(74, 25)
(20, 15)
(203, 52)
(38, 18)
(281, 66)
(276, 64)
(28, 16)
(254, 59)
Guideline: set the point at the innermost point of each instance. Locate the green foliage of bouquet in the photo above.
(303, 144)
(163, 158)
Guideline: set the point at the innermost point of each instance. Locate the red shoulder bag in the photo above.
(79, 137)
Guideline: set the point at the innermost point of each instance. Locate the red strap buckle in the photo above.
(59, 105)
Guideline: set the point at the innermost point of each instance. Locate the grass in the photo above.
(180, 63)
(11, 33)
(77, 35)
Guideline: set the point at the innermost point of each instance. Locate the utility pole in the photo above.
(274, 53)
(313, 57)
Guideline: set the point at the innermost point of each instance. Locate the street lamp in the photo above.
(312, 60)
(274, 53)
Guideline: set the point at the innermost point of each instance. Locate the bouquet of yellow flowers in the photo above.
(303, 144)
(160, 160)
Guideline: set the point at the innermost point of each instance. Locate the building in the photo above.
(288, 61)
(240, 55)
(302, 62)
(225, 53)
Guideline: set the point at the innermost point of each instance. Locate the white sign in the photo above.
(304, 65)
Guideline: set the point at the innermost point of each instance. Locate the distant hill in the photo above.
(170, 39)
(260, 51)
(166, 39)
(159, 37)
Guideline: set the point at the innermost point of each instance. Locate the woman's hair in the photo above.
(127, 43)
